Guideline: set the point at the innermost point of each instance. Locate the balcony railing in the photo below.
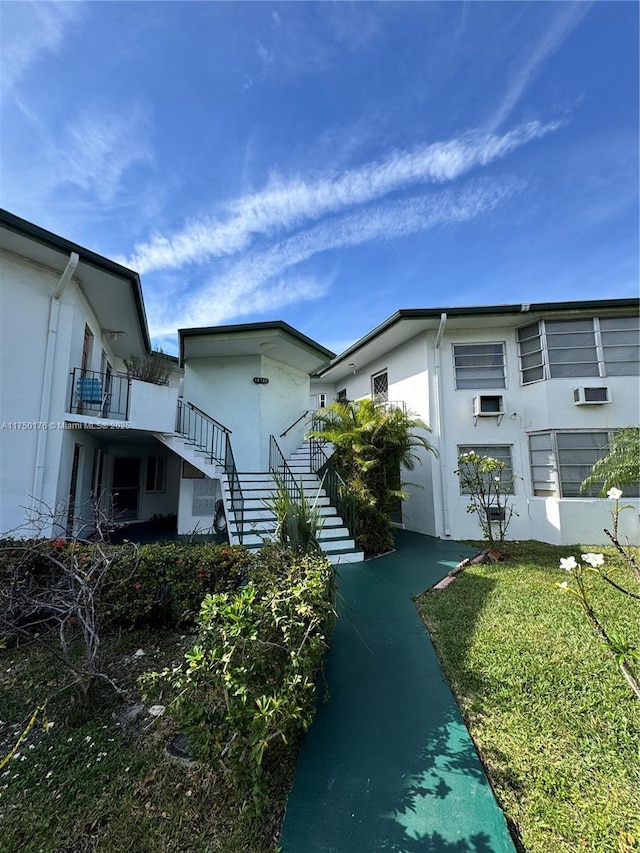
(99, 395)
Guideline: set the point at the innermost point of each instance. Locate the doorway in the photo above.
(125, 487)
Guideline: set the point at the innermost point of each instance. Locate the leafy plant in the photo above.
(489, 487)
(372, 445)
(248, 682)
(620, 465)
(298, 522)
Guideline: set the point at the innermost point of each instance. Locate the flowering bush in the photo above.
(626, 653)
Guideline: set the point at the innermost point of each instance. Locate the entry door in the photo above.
(125, 487)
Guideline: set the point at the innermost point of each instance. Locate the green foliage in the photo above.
(169, 580)
(156, 584)
(620, 465)
(297, 521)
(372, 445)
(248, 683)
(557, 728)
(489, 486)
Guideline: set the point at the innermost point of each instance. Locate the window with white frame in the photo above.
(156, 472)
(501, 452)
(597, 346)
(562, 459)
(380, 387)
(479, 365)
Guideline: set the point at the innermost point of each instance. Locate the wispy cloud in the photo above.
(269, 279)
(29, 32)
(285, 205)
(101, 146)
(566, 18)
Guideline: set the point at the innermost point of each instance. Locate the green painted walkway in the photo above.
(388, 764)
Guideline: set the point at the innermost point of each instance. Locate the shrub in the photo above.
(250, 679)
(167, 585)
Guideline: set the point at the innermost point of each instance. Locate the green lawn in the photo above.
(555, 723)
(95, 785)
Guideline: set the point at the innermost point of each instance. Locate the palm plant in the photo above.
(620, 465)
(373, 444)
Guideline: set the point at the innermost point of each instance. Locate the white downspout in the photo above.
(45, 397)
(440, 426)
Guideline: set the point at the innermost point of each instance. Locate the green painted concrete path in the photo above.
(388, 764)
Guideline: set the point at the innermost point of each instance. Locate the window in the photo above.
(322, 401)
(380, 387)
(156, 467)
(607, 346)
(479, 365)
(501, 452)
(342, 395)
(531, 356)
(620, 345)
(561, 460)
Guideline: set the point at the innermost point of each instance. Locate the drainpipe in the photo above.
(440, 426)
(45, 397)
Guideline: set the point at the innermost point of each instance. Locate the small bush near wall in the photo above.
(249, 682)
(158, 584)
(166, 584)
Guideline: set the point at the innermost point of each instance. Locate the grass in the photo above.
(555, 724)
(91, 782)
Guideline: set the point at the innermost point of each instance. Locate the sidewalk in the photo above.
(388, 764)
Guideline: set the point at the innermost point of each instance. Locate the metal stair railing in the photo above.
(280, 471)
(324, 467)
(235, 490)
(213, 439)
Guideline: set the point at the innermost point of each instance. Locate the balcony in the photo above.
(99, 395)
(111, 400)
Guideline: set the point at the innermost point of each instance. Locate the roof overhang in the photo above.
(276, 339)
(409, 322)
(113, 291)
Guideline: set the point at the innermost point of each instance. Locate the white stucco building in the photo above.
(542, 387)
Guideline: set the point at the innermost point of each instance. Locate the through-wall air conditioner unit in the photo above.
(488, 406)
(591, 396)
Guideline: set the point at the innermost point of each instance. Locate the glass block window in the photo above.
(501, 452)
(479, 365)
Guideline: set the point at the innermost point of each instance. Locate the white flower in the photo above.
(568, 563)
(564, 585)
(614, 494)
(593, 560)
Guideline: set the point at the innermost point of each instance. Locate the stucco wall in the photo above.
(224, 389)
(435, 505)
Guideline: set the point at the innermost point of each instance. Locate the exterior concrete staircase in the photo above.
(258, 523)
(246, 495)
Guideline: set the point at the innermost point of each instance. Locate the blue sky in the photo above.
(329, 163)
